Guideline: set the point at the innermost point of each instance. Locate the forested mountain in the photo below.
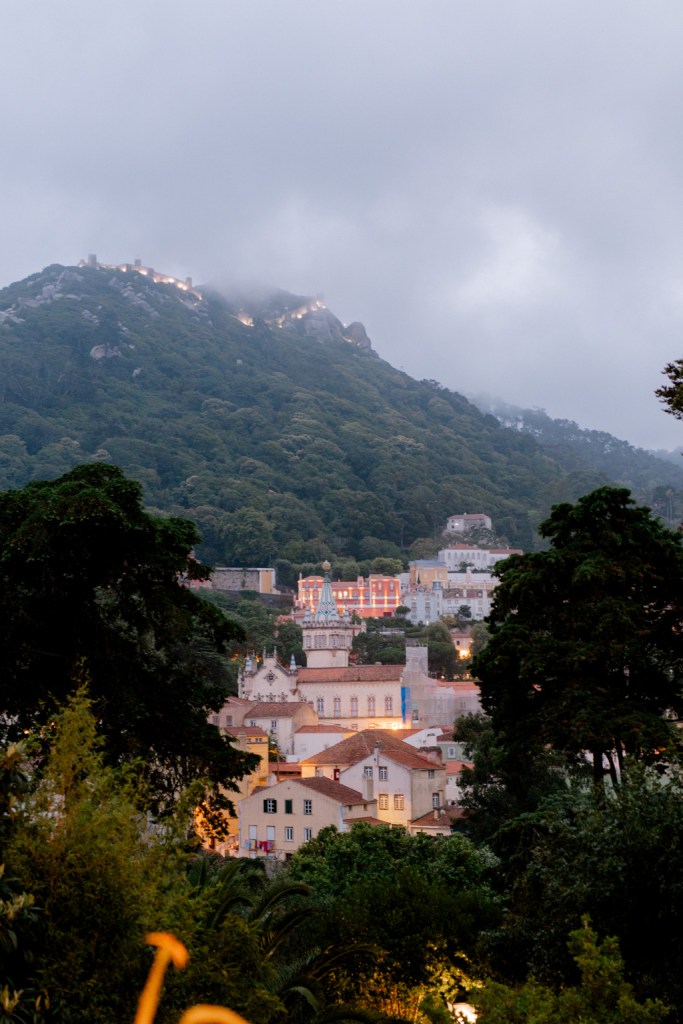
(655, 478)
(273, 426)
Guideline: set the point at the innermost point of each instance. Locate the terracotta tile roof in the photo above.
(367, 819)
(275, 709)
(335, 790)
(247, 730)
(446, 816)
(285, 767)
(352, 674)
(357, 747)
(323, 728)
(455, 767)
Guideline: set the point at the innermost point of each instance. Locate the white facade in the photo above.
(403, 790)
(478, 558)
(463, 523)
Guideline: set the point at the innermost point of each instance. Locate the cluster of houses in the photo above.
(354, 742)
(369, 743)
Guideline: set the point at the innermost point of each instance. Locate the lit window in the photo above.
(308, 807)
(398, 801)
(383, 801)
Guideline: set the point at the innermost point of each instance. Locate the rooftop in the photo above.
(275, 709)
(359, 746)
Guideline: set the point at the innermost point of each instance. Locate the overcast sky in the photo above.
(494, 188)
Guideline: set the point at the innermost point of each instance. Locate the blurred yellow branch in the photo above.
(169, 950)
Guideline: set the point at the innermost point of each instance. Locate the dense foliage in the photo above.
(420, 903)
(273, 442)
(585, 652)
(90, 589)
(593, 458)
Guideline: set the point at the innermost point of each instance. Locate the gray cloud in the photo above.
(494, 189)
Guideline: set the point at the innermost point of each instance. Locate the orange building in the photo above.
(375, 597)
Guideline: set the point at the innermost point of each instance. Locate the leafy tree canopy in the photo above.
(585, 652)
(90, 588)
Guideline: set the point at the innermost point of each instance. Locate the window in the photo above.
(270, 833)
(308, 807)
(398, 801)
(383, 799)
(388, 705)
(308, 834)
(436, 803)
(273, 724)
(252, 831)
(270, 806)
(383, 773)
(354, 707)
(289, 833)
(451, 752)
(367, 771)
(337, 707)
(371, 705)
(228, 719)
(430, 773)
(288, 807)
(320, 705)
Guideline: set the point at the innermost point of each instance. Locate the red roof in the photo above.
(455, 767)
(335, 790)
(285, 767)
(247, 730)
(275, 709)
(323, 728)
(367, 819)
(446, 816)
(361, 744)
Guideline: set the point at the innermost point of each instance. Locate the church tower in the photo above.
(327, 635)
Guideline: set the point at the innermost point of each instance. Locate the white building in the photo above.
(457, 555)
(463, 523)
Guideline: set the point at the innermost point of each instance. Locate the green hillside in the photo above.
(654, 478)
(286, 435)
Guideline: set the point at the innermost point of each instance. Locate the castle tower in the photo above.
(327, 635)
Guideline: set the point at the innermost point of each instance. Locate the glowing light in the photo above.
(169, 950)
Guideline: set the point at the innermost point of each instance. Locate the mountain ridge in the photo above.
(279, 435)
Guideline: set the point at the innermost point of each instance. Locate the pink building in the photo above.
(373, 597)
